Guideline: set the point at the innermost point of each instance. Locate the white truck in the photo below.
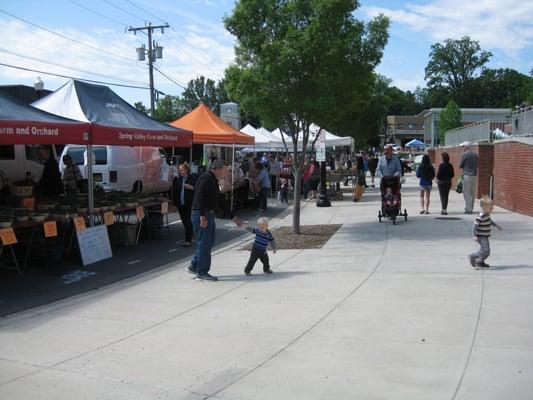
(128, 169)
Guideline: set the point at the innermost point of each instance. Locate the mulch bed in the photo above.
(312, 237)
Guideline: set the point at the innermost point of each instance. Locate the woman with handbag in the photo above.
(444, 181)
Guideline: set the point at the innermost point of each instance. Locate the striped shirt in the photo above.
(482, 225)
(262, 239)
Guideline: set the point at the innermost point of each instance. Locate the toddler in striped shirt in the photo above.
(481, 233)
(263, 238)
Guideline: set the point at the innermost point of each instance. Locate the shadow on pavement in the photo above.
(39, 286)
(260, 276)
(505, 267)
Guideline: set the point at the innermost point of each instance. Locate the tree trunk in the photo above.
(296, 207)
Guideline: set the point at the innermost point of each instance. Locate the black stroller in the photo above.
(391, 204)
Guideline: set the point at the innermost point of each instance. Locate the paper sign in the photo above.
(79, 223)
(8, 236)
(109, 218)
(164, 208)
(50, 229)
(140, 212)
(94, 244)
(29, 203)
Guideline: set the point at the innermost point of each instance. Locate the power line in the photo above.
(65, 66)
(170, 79)
(183, 48)
(65, 37)
(99, 14)
(145, 11)
(72, 77)
(124, 11)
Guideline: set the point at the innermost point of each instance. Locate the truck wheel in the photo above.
(137, 187)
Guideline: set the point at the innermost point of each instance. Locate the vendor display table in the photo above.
(32, 236)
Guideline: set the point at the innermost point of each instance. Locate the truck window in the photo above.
(77, 154)
(7, 152)
(32, 153)
(100, 155)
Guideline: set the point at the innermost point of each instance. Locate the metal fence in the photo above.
(474, 133)
(522, 122)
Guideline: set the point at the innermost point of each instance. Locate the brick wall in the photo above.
(511, 165)
(485, 168)
(513, 176)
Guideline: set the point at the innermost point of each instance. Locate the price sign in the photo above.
(140, 212)
(50, 229)
(164, 207)
(79, 223)
(109, 218)
(8, 237)
(29, 203)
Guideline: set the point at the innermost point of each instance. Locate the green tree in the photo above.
(303, 61)
(450, 118)
(202, 90)
(168, 109)
(140, 107)
(503, 87)
(453, 67)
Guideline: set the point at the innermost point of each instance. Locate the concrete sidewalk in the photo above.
(380, 312)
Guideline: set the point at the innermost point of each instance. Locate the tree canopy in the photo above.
(454, 65)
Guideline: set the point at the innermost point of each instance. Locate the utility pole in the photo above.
(154, 51)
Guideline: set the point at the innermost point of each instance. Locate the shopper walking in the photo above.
(469, 164)
(264, 185)
(426, 173)
(206, 201)
(183, 197)
(372, 166)
(445, 175)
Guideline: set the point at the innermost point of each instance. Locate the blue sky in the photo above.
(198, 44)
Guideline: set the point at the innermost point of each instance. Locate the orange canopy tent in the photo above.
(207, 128)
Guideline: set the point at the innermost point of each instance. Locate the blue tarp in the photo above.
(415, 143)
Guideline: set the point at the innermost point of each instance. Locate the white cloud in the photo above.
(186, 55)
(499, 25)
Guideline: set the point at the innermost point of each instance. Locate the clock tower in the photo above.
(230, 114)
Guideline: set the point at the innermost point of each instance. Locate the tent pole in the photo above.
(190, 155)
(90, 183)
(232, 175)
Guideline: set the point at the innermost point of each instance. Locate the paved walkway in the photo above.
(381, 312)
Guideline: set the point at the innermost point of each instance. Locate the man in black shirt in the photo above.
(206, 201)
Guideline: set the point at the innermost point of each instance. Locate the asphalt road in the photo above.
(39, 286)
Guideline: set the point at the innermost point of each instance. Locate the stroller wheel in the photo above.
(380, 216)
(394, 221)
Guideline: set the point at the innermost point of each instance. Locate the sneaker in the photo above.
(186, 244)
(445, 212)
(191, 270)
(268, 271)
(472, 261)
(247, 273)
(482, 264)
(206, 277)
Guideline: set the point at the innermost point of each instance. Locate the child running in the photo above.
(263, 237)
(481, 233)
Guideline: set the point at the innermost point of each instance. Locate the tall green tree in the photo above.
(453, 67)
(450, 118)
(202, 90)
(303, 61)
(502, 87)
(141, 107)
(168, 109)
